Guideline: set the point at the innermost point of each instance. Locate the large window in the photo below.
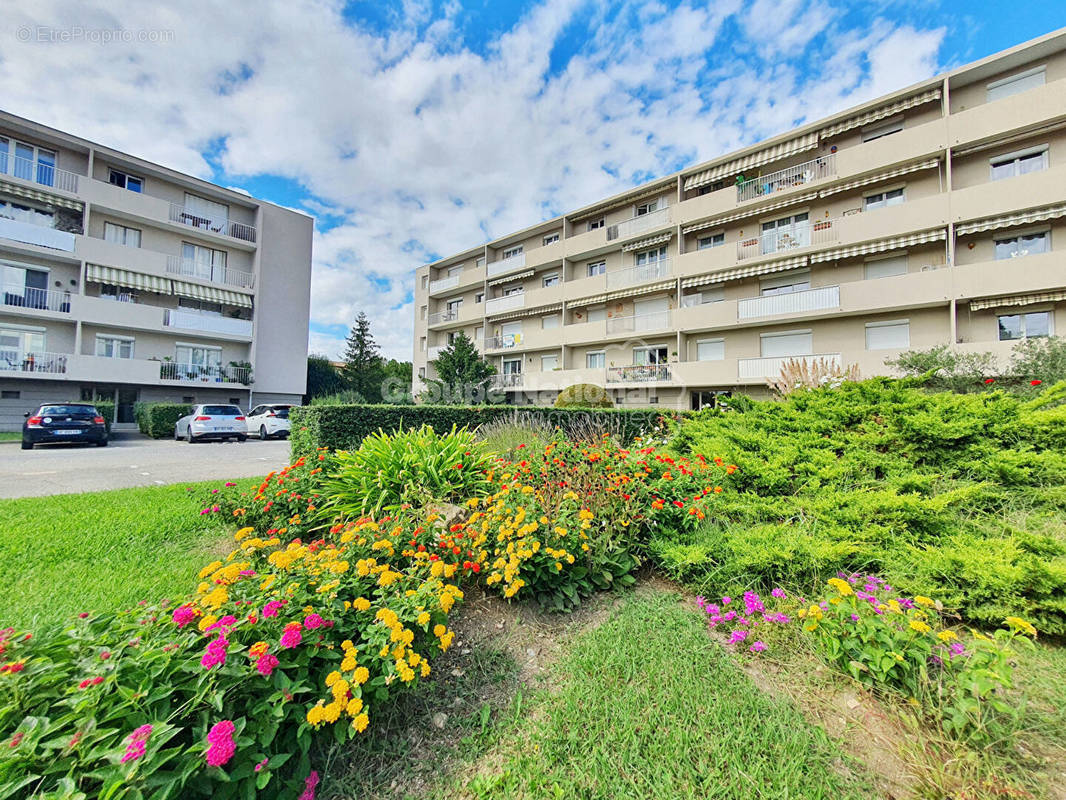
(550, 321)
(453, 306)
(21, 212)
(1026, 326)
(551, 238)
(200, 306)
(120, 234)
(710, 349)
(713, 240)
(886, 267)
(885, 128)
(596, 224)
(1034, 159)
(786, 233)
(125, 181)
(548, 363)
(27, 161)
(203, 213)
(786, 345)
(1022, 244)
(890, 335)
(210, 357)
(650, 207)
(511, 252)
(596, 359)
(20, 286)
(1013, 84)
(597, 314)
(651, 256)
(551, 279)
(596, 268)
(512, 366)
(114, 346)
(892, 197)
(17, 342)
(799, 281)
(203, 262)
(643, 356)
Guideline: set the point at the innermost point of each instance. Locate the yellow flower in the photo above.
(332, 678)
(361, 604)
(1021, 625)
(439, 630)
(425, 669)
(918, 625)
(946, 636)
(360, 722)
(316, 714)
(361, 675)
(423, 618)
(207, 621)
(355, 705)
(348, 664)
(843, 587)
(332, 712)
(924, 601)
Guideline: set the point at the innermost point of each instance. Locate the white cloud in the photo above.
(389, 130)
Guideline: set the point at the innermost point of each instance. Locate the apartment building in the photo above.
(126, 281)
(934, 215)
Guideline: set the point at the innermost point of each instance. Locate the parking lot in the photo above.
(132, 460)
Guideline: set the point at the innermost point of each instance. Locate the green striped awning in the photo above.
(30, 193)
(1017, 300)
(1008, 220)
(212, 294)
(127, 278)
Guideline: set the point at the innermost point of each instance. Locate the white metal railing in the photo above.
(771, 367)
(640, 224)
(443, 284)
(639, 373)
(448, 315)
(792, 303)
(196, 219)
(40, 363)
(205, 373)
(639, 322)
(506, 264)
(789, 238)
(507, 380)
(503, 342)
(39, 299)
(28, 169)
(641, 273)
(433, 353)
(177, 265)
(197, 321)
(787, 178)
(31, 233)
(498, 305)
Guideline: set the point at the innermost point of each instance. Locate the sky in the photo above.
(414, 129)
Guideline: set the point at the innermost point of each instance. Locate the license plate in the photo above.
(66, 433)
(225, 428)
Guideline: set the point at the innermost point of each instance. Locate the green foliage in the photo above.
(341, 398)
(323, 379)
(462, 374)
(584, 395)
(1033, 362)
(1042, 359)
(158, 419)
(363, 369)
(107, 411)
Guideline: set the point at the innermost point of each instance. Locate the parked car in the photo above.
(64, 422)
(267, 421)
(209, 421)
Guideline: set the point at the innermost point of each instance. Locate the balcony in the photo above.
(204, 373)
(788, 178)
(28, 365)
(176, 265)
(210, 323)
(794, 303)
(444, 284)
(504, 342)
(639, 224)
(26, 169)
(509, 380)
(782, 241)
(642, 273)
(506, 264)
(195, 219)
(640, 373)
(637, 323)
(29, 233)
(763, 368)
(497, 305)
(37, 299)
(440, 317)
(433, 353)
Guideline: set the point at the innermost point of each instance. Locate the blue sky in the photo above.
(414, 129)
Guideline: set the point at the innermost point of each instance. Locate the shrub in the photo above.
(1041, 359)
(158, 419)
(811, 374)
(107, 411)
(506, 435)
(341, 398)
(584, 395)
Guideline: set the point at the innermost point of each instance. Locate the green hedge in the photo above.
(344, 427)
(107, 411)
(157, 419)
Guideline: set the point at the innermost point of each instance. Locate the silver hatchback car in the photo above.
(212, 422)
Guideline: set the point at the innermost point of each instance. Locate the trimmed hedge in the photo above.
(107, 411)
(157, 419)
(344, 427)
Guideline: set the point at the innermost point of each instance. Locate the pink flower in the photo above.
(220, 746)
(233, 484)
(292, 636)
(83, 615)
(271, 609)
(135, 743)
(261, 765)
(104, 656)
(779, 593)
(309, 787)
(738, 636)
(215, 654)
(757, 647)
(183, 615)
(726, 601)
(266, 663)
(312, 621)
(226, 624)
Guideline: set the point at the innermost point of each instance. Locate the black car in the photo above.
(64, 422)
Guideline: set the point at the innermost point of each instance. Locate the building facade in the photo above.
(123, 280)
(934, 215)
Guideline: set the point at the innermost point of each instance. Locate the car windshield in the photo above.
(281, 411)
(67, 411)
(221, 411)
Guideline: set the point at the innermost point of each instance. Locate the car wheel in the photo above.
(177, 436)
(263, 432)
(191, 439)
(242, 438)
(102, 443)
(27, 445)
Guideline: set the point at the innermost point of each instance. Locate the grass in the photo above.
(99, 551)
(10, 436)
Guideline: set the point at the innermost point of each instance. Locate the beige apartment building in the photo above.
(124, 280)
(933, 215)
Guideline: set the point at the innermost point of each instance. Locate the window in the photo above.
(1023, 244)
(125, 181)
(551, 279)
(551, 238)
(598, 314)
(596, 224)
(120, 234)
(423, 312)
(480, 262)
(708, 294)
(114, 346)
(422, 373)
(798, 281)
(511, 252)
(513, 289)
(892, 197)
(596, 359)
(786, 233)
(1034, 159)
(479, 297)
(512, 366)
(596, 268)
(20, 212)
(453, 306)
(118, 293)
(889, 335)
(786, 345)
(479, 333)
(550, 321)
(886, 128)
(648, 208)
(203, 213)
(17, 342)
(27, 161)
(1014, 84)
(548, 363)
(10, 394)
(451, 337)
(714, 240)
(188, 398)
(651, 256)
(422, 344)
(710, 349)
(1023, 326)
(425, 281)
(455, 272)
(886, 267)
(20, 286)
(201, 306)
(203, 262)
(197, 356)
(643, 356)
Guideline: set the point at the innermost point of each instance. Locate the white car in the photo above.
(210, 421)
(267, 421)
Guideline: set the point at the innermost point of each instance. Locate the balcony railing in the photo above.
(792, 237)
(33, 362)
(507, 264)
(196, 219)
(433, 353)
(794, 303)
(443, 284)
(204, 373)
(787, 178)
(38, 172)
(748, 368)
(448, 315)
(498, 305)
(639, 373)
(639, 274)
(40, 235)
(503, 342)
(656, 321)
(176, 265)
(507, 380)
(38, 299)
(640, 224)
(196, 321)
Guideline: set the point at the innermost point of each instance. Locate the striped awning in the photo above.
(528, 312)
(1017, 300)
(211, 294)
(606, 296)
(880, 176)
(127, 279)
(31, 193)
(880, 245)
(517, 276)
(752, 160)
(881, 113)
(749, 212)
(624, 200)
(746, 272)
(651, 241)
(1007, 220)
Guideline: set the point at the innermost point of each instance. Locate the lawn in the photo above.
(100, 551)
(10, 436)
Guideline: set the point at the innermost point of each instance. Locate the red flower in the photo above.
(989, 380)
(1035, 383)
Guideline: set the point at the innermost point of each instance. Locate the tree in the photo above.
(397, 382)
(363, 368)
(322, 378)
(462, 374)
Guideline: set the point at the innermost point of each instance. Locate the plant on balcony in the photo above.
(584, 395)
(241, 372)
